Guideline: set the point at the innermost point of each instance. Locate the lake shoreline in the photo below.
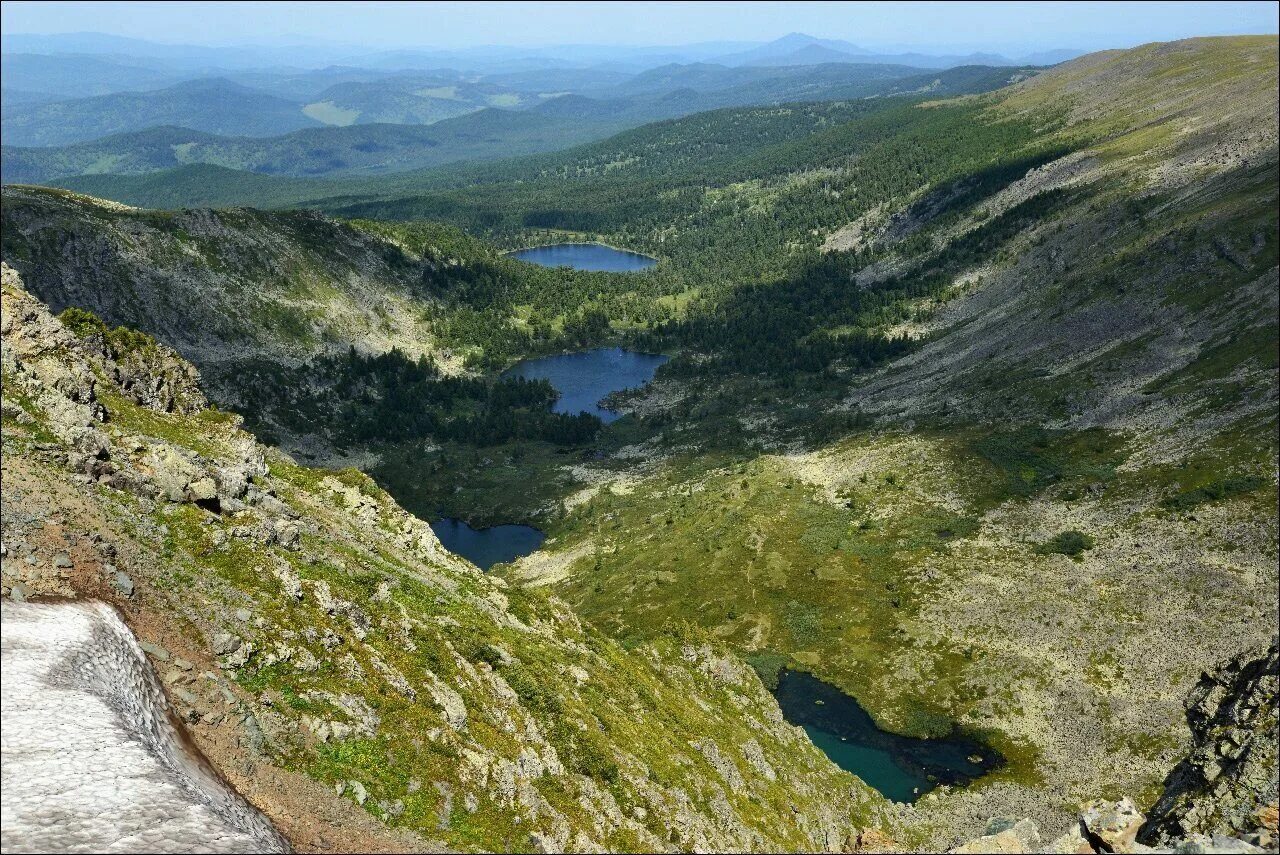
(511, 252)
(901, 768)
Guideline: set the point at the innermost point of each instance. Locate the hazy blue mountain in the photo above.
(1052, 57)
(549, 80)
(351, 159)
(79, 76)
(410, 99)
(177, 56)
(23, 96)
(213, 105)
(770, 52)
(801, 49)
(303, 84)
(485, 134)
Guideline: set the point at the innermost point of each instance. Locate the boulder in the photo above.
(1005, 835)
(1112, 826)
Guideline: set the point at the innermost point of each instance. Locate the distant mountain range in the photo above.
(791, 49)
(801, 49)
(214, 105)
(481, 134)
(107, 104)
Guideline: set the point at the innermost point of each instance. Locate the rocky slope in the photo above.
(1103, 370)
(1227, 786)
(1221, 798)
(328, 655)
(225, 287)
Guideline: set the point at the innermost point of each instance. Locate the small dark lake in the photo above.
(485, 547)
(582, 379)
(900, 767)
(585, 256)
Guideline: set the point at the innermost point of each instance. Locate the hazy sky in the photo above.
(1010, 25)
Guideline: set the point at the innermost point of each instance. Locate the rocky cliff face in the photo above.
(223, 287)
(1227, 785)
(360, 685)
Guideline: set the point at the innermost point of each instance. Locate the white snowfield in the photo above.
(89, 758)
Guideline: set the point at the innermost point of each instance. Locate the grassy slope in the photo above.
(1137, 321)
(364, 621)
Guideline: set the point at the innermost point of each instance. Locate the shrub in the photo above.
(1214, 491)
(1066, 543)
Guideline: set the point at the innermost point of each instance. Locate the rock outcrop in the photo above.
(1227, 785)
(1221, 798)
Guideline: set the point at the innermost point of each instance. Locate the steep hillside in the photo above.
(328, 655)
(226, 285)
(1080, 437)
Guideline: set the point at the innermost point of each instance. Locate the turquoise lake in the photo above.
(900, 767)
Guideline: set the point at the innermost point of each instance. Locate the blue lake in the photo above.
(900, 767)
(485, 547)
(582, 379)
(585, 256)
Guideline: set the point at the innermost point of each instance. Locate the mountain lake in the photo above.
(582, 379)
(901, 768)
(585, 256)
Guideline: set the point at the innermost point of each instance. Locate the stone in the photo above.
(1073, 842)
(1218, 844)
(1112, 826)
(243, 615)
(1005, 835)
(358, 792)
(202, 490)
(18, 592)
(122, 583)
(187, 697)
(62, 561)
(225, 642)
(450, 702)
(155, 651)
(182, 664)
(287, 533)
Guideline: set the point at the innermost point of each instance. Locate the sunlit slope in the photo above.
(303, 623)
(1073, 464)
